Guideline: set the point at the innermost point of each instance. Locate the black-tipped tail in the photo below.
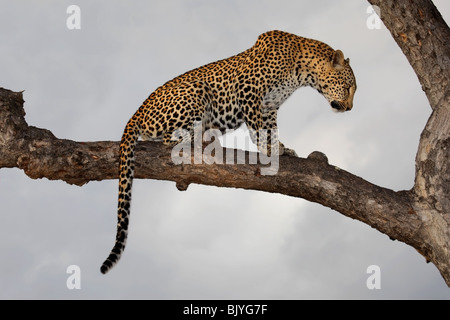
(116, 252)
(107, 264)
(126, 173)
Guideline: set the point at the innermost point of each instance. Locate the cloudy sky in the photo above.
(206, 242)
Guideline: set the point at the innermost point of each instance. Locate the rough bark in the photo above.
(418, 217)
(422, 34)
(424, 37)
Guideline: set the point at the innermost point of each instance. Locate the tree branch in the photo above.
(40, 154)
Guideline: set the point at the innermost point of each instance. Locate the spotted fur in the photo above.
(246, 88)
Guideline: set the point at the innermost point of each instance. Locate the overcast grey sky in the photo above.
(206, 242)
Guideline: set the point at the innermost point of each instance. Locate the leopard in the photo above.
(247, 88)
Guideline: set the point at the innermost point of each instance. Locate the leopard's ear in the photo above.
(338, 60)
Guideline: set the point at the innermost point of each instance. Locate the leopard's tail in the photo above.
(126, 172)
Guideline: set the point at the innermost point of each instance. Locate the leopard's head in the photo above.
(337, 82)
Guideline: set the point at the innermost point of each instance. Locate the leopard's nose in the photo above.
(339, 106)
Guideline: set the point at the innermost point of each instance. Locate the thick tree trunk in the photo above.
(424, 37)
(419, 217)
